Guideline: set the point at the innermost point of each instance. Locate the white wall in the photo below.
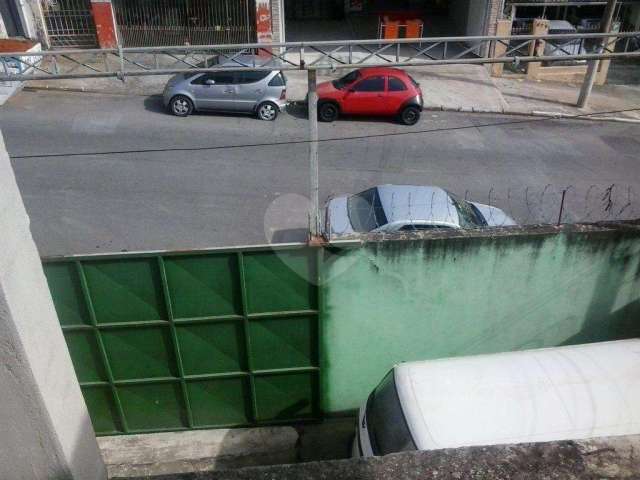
(45, 430)
(3, 29)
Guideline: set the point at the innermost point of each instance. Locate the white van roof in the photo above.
(530, 396)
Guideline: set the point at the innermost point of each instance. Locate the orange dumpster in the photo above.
(391, 29)
(414, 28)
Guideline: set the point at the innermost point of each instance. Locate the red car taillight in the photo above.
(283, 95)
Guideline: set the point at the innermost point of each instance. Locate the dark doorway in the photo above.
(11, 18)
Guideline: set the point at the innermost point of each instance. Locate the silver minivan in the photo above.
(258, 92)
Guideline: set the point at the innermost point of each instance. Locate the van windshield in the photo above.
(388, 430)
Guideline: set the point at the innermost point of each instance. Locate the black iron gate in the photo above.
(145, 23)
(69, 23)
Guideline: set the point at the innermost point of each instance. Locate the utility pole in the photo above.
(592, 70)
(314, 213)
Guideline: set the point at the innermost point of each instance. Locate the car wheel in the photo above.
(328, 112)
(267, 111)
(410, 115)
(181, 106)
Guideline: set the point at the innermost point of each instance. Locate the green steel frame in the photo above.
(165, 341)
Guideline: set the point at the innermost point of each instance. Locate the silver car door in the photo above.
(214, 91)
(250, 89)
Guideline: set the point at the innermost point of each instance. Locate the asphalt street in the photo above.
(140, 179)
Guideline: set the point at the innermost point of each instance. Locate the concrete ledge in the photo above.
(200, 450)
(615, 457)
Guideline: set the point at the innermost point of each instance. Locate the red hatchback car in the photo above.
(371, 91)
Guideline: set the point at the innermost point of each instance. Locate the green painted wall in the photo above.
(395, 301)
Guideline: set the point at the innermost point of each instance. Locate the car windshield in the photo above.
(387, 427)
(469, 217)
(365, 211)
(348, 79)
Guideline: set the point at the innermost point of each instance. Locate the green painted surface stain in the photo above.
(391, 302)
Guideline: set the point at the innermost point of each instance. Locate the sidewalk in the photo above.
(7, 90)
(466, 88)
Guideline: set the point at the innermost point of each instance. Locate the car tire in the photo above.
(267, 111)
(328, 112)
(181, 106)
(410, 115)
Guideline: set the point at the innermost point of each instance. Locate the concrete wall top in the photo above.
(585, 460)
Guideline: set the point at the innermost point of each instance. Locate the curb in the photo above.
(536, 113)
(37, 88)
(441, 108)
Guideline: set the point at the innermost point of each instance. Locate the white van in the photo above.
(541, 395)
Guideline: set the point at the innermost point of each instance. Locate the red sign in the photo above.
(263, 21)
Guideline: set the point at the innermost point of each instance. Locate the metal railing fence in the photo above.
(123, 62)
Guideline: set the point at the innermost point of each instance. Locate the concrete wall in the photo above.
(46, 431)
(3, 29)
(400, 300)
(31, 18)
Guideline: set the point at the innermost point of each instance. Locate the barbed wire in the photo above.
(401, 209)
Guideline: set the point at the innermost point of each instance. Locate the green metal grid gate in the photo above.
(174, 341)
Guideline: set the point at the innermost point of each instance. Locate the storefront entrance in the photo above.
(314, 20)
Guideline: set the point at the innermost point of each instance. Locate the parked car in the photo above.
(371, 91)
(402, 208)
(259, 92)
(565, 47)
(544, 395)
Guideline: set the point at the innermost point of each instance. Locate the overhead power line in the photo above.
(322, 140)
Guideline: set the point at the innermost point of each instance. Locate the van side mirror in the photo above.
(210, 82)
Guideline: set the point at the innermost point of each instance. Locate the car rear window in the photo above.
(277, 81)
(251, 77)
(396, 85)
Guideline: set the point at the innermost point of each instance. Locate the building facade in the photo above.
(135, 23)
(138, 23)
